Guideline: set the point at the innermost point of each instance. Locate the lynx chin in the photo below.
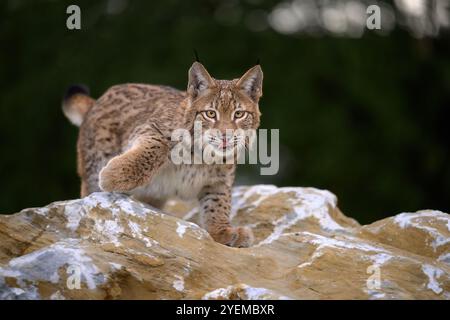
(124, 142)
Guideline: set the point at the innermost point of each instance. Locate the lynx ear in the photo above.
(199, 80)
(251, 83)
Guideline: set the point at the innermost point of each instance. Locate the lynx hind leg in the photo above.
(90, 161)
(216, 206)
(84, 191)
(134, 167)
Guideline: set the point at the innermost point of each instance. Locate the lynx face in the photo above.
(227, 110)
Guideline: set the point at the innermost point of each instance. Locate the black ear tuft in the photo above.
(196, 55)
(258, 62)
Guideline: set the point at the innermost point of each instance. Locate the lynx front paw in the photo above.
(116, 176)
(240, 237)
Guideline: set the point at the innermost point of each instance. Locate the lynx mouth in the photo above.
(224, 150)
(227, 146)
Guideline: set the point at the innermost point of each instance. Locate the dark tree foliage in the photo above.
(366, 118)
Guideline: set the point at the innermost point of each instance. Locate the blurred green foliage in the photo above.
(365, 118)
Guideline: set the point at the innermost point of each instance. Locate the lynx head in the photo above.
(226, 109)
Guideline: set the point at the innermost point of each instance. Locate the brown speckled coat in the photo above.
(124, 142)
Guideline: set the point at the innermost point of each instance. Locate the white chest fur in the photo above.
(178, 181)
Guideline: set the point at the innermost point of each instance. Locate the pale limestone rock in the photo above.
(305, 248)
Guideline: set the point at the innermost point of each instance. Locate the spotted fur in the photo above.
(124, 142)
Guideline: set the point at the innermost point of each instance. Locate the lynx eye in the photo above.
(239, 114)
(210, 114)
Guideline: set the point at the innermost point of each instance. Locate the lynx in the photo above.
(124, 142)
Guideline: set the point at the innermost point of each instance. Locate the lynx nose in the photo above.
(226, 139)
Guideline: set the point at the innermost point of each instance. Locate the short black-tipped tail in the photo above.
(76, 103)
(76, 89)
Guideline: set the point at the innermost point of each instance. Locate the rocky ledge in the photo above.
(109, 246)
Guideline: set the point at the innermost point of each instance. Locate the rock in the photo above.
(109, 246)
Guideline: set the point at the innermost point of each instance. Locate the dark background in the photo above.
(361, 113)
